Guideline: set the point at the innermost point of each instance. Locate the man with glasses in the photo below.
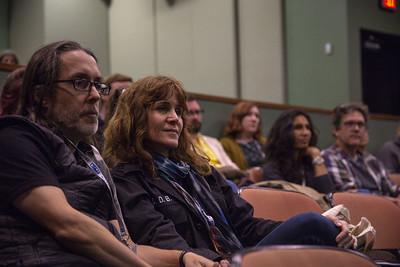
(352, 167)
(58, 202)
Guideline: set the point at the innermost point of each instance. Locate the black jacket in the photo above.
(156, 214)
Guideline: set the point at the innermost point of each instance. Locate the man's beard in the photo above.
(194, 127)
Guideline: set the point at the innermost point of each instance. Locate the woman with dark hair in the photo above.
(292, 154)
(172, 198)
(242, 140)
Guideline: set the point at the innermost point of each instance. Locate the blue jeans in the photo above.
(304, 229)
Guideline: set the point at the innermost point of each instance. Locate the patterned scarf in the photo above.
(202, 203)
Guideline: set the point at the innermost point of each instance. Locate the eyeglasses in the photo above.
(85, 85)
(352, 124)
(195, 112)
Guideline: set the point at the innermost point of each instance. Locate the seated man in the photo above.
(389, 154)
(117, 82)
(58, 201)
(209, 146)
(351, 167)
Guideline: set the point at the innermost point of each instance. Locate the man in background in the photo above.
(389, 154)
(348, 163)
(209, 146)
(117, 82)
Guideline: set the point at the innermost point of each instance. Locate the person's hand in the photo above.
(313, 151)
(224, 263)
(344, 239)
(191, 259)
(254, 174)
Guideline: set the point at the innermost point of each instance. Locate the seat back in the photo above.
(278, 204)
(395, 178)
(383, 214)
(300, 256)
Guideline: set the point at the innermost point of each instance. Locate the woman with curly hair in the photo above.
(292, 155)
(172, 198)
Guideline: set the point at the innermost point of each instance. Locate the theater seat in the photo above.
(300, 256)
(395, 178)
(381, 211)
(278, 204)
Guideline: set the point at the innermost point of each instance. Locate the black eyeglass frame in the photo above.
(102, 88)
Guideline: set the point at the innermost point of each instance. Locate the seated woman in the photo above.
(243, 141)
(170, 196)
(292, 154)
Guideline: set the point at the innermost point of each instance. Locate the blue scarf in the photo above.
(202, 203)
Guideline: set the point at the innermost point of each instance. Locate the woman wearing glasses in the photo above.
(172, 198)
(58, 205)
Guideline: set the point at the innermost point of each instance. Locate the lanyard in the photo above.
(96, 170)
(193, 203)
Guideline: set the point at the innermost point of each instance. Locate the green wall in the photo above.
(315, 79)
(318, 80)
(4, 24)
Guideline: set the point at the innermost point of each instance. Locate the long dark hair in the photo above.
(280, 146)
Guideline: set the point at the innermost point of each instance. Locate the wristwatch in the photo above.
(318, 160)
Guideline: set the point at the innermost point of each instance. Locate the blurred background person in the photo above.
(243, 140)
(292, 154)
(11, 92)
(389, 155)
(118, 82)
(209, 146)
(8, 57)
(115, 81)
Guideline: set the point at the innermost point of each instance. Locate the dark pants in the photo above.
(303, 229)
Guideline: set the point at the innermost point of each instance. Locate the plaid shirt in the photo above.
(337, 162)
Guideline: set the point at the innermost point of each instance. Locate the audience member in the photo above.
(8, 57)
(243, 141)
(210, 147)
(58, 203)
(351, 168)
(389, 155)
(116, 81)
(11, 92)
(172, 198)
(292, 154)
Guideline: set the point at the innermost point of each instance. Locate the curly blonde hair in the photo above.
(127, 129)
